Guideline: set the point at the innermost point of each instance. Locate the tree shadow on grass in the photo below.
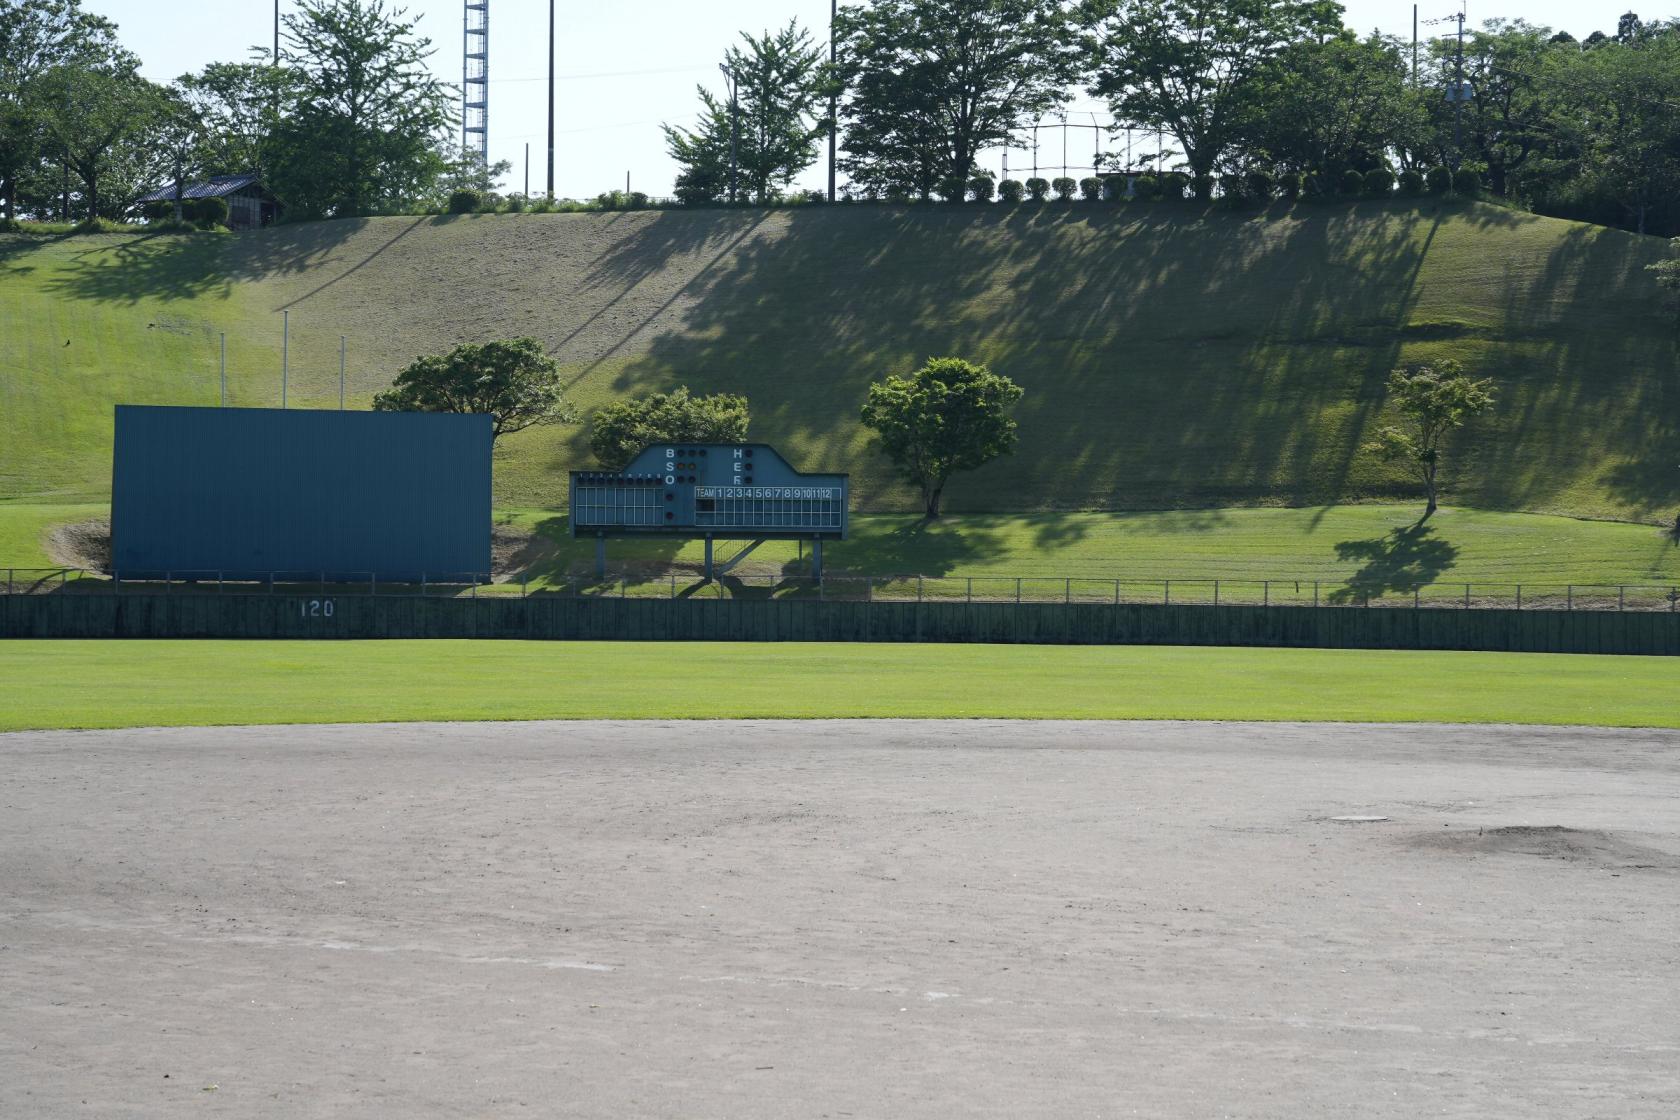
(915, 547)
(1405, 559)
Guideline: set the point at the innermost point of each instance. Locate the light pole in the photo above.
(551, 100)
(734, 129)
(833, 98)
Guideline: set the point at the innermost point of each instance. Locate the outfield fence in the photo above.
(685, 585)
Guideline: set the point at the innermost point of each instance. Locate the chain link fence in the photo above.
(675, 585)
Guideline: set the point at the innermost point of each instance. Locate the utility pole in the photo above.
(551, 100)
(833, 99)
(1460, 95)
(734, 130)
(276, 32)
(1414, 47)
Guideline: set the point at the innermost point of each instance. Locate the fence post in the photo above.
(1315, 593)
(524, 577)
(1519, 596)
(1166, 592)
(8, 581)
(373, 584)
(1570, 601)
(1417, 597)
(1216, 593)
(1017, 590)
(971, 589)
(1467, 596)
(918, 589)
(218, 583)
(1117, 593)
(1621, 598)
(1266, 593)
(169, 583)
(623, 584)
(1067, 591)
(673, 585)
(422, 585)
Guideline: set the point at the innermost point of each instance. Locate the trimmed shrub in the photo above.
(464, 201)
(1174, 184)
(1231, 189)
(1289, 185)
(1146, 188)
(1064, 188)
(1259, 185)
(1411, 183)
(1353, 183)
(1438, 180)
(1202, 187)
(1091, 189)
(542, 205)
(210, 212)
(814, 197)
(982, 188)
(1466, 182)
(515, 203)
(953, 189)
(1379, 182)
(638, 200)
(1037, 188)
(1011, 190)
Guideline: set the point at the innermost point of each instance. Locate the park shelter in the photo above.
(250, 205)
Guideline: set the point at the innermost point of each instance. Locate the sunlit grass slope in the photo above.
(1171, 357)
(126, 684)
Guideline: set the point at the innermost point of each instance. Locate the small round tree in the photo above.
(1037, 188)
(1466, 182)
(1091, 189)
(512, 380)
(1202, 187)
(1438, 180)
(1353, 183)
(981, 187)
(1379, 182)
(620, 430)
(1411, 182)
(948, 416)
(1433, 402)
(1145, 188)
(1010, 190)
(1064, 188)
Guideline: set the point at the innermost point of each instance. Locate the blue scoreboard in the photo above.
(721, 491)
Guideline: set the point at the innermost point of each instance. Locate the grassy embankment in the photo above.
(1172, 358)
(70, 684)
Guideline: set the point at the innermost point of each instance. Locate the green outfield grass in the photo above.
(70, 684)
(1171, 356)
(24, 527)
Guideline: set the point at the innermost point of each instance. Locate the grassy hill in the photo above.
(1171, 358)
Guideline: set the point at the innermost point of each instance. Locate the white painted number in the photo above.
(316, 608)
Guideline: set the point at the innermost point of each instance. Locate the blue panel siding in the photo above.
(254, 490)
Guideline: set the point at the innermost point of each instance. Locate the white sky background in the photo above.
(625, 68)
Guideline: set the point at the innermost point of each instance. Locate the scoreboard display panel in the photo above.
(727, 491)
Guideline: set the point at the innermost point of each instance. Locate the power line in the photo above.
(605, 74)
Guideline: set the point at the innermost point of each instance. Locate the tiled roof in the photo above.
(217, 187)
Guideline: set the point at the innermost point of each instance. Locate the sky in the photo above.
(623, 68)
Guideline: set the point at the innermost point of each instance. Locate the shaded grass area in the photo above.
(1373, 548)
(71, 684)
(1171, 357)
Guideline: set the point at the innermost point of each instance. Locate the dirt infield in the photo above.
(871, 919)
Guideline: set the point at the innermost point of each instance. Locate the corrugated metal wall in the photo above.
(255, 490)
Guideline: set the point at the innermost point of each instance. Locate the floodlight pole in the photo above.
(285, 353)
(734, 129)
(551, 100)
(1458, 98)
(833, 98)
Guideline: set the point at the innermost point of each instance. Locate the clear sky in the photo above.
(625, 67)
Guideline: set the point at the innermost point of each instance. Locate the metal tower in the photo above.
(475, 79)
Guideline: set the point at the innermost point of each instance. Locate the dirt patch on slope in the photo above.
(82, 544)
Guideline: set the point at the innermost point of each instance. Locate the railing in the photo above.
(671, 584)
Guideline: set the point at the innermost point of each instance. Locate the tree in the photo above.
(180, 138)
(364, 131)
(702, 155)
(1434, 402)
(1332, 105)
(1508, 120)
(623, 428)
(1667, 275)
(934, 82)
(512, 380)
(1186, 65)
(35, 37)
(92, 115)
(239, 105)
(948, 416)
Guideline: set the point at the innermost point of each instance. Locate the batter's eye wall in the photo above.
(351, 495)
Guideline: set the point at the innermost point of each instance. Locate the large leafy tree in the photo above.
(97, 118)
(1332, 105)
(364, 131)
(623, 428)
(513, 381)
(239, 105)
(1433, 401)
(932, 83)
(774, 122)
(37, 36)
(1189, 65)
(951, 415)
